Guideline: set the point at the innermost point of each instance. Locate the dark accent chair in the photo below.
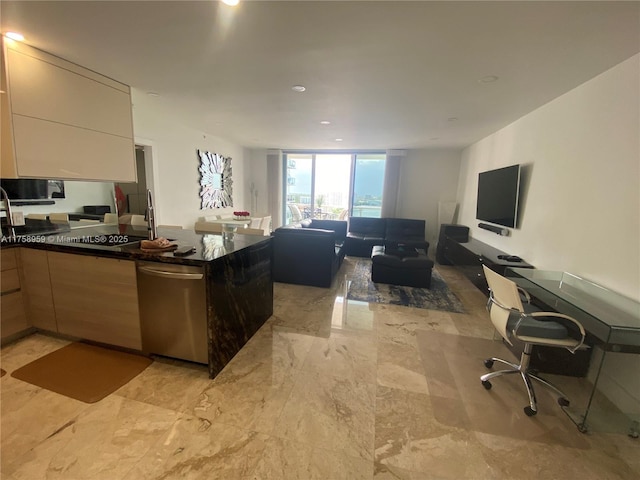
(364, 233)
(309, 253)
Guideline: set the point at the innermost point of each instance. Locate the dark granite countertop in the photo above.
(123, 241)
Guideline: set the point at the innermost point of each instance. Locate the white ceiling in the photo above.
(387, 74)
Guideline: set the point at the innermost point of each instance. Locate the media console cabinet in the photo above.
(469, 256)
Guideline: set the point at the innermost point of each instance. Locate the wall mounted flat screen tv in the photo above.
(498, 196)
(32, 188)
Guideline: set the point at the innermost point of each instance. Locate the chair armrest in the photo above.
(565, 317)
(525, 294)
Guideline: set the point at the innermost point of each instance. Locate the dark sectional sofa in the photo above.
(309, 253)
(364, 233)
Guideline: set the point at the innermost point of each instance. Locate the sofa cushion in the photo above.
(404, 228)
(338, 226)
(373, 227)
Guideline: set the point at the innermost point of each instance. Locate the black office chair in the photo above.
(510, 319)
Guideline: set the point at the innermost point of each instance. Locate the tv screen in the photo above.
(32, 188)
(498, 196)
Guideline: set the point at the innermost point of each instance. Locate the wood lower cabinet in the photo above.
(12, 315)
(36, 286)
(96, 298)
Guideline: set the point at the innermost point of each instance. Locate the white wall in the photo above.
(77, 195)
(426, 178)
(175, 175)
(258, 176)
(581, 210)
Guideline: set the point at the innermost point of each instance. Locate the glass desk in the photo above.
(612, 323)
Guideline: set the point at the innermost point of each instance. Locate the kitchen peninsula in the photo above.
(237, 272)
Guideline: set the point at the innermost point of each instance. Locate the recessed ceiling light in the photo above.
(325, 122)
(298, 88)
(231, 3)
(452, 119)
(153, 94)
(338, 139)
(488, 79)
(15, 36)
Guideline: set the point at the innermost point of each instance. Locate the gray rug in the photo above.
(438, 297)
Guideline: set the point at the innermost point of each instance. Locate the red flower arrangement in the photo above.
(241, 215)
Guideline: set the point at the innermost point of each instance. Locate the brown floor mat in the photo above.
(85, 372)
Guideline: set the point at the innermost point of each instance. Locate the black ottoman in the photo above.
(400, 267)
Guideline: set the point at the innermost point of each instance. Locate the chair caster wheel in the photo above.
(563, 402)
(486, 384)
(488, 363)
(529, 412)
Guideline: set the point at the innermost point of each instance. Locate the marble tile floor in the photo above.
(327, 389)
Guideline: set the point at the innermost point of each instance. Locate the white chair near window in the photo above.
(265, 225)
(110, 218)
(59, 217)
(138, 220)
(296, 214)
(251, 231)
(208, 227)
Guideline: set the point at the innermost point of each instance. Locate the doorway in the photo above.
(132, 197)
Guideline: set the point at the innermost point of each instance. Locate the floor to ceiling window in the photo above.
(332, 185)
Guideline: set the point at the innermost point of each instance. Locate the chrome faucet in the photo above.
(7, 202)
(151, 217)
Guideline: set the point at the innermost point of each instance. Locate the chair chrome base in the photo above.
(523, 370)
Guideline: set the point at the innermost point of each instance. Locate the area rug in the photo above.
(438, 297)
(85, 372)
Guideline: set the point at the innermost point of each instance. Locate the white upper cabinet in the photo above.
(64, 121)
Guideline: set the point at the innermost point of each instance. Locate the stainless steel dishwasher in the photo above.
(173, 310)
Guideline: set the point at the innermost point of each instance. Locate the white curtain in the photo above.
(391, 186)
(274, 187)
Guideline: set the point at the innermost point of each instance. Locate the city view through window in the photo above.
(333, 185)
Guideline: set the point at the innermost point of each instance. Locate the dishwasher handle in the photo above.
(158, 272)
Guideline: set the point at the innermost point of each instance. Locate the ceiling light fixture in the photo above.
(338, 139)
(153, 94)
(325, 122)
(15, 36)
(231, 3)
(452, 119)
(488, 79)
(298, 88)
